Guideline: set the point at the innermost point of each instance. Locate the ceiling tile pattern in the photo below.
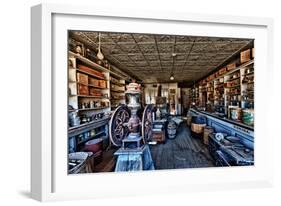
(152, 58)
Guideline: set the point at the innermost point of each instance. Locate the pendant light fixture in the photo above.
(172, 77)
(172, 73)
(99, 54)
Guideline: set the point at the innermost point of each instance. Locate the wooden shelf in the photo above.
(72, 131)
(232, 79)
(236, 69)
(88, 62)
(117, 91)
(118, 84)
(90, 74)
(234, 94)
(238, 85)
(249, 74)
(95, 65)
(89, 96)
(92, 137)
(219, 84)
(88, 109)
(90, 85)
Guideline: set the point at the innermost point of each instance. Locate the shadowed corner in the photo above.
(25, 193)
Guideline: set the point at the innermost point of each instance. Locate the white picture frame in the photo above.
(49, 179)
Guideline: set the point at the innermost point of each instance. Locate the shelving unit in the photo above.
(229, 89)
(89, 95)
(219, 95)
(94, 91)
(117, 91)
(233, 88)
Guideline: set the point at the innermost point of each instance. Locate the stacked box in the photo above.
(94, 82)
(82, 89)
(82, 78)
(222, 70)
(102, 83)
(231, 66)
(245, 56)
(95, 92)
(90, 71)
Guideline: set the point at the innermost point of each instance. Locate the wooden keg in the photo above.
(197, 128)
(207, 130)
(198, 124)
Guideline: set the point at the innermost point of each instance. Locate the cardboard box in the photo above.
(245, 56)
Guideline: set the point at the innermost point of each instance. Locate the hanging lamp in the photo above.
(99, 54)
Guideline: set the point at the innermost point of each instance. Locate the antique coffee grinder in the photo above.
(133, 95)
(125, 130)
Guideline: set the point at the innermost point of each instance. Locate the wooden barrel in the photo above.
(197, 128)
(172, 130)
(207, 130)
(94, 145)
(198, 124)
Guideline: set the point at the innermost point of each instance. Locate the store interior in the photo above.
(141, 102)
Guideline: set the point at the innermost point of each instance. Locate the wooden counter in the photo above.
(233, 128)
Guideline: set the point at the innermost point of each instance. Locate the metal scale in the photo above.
(131, 134)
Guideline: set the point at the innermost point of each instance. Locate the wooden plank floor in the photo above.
(182, 152)
(108, 162)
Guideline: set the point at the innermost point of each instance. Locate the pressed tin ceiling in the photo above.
(149, 57)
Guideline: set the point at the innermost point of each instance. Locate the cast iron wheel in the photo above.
(117, 130)
(146, 126)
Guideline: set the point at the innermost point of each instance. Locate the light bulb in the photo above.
(100, 55)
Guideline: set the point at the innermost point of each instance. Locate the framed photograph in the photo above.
(97, 127)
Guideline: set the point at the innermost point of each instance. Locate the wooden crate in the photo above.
(231, 66)
(94, 82)
(102, 83)
(245, 56)
(222, 70)
(90, 71)
(82, 78)
(95, 92)
(82, 89)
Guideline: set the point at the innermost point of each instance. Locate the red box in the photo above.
(82, 89)
(82, 78)
(95, 92)
(102, 83)
(91, 71)
(231, 66)
(222, 70)
(245, 56)
(94, 82)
